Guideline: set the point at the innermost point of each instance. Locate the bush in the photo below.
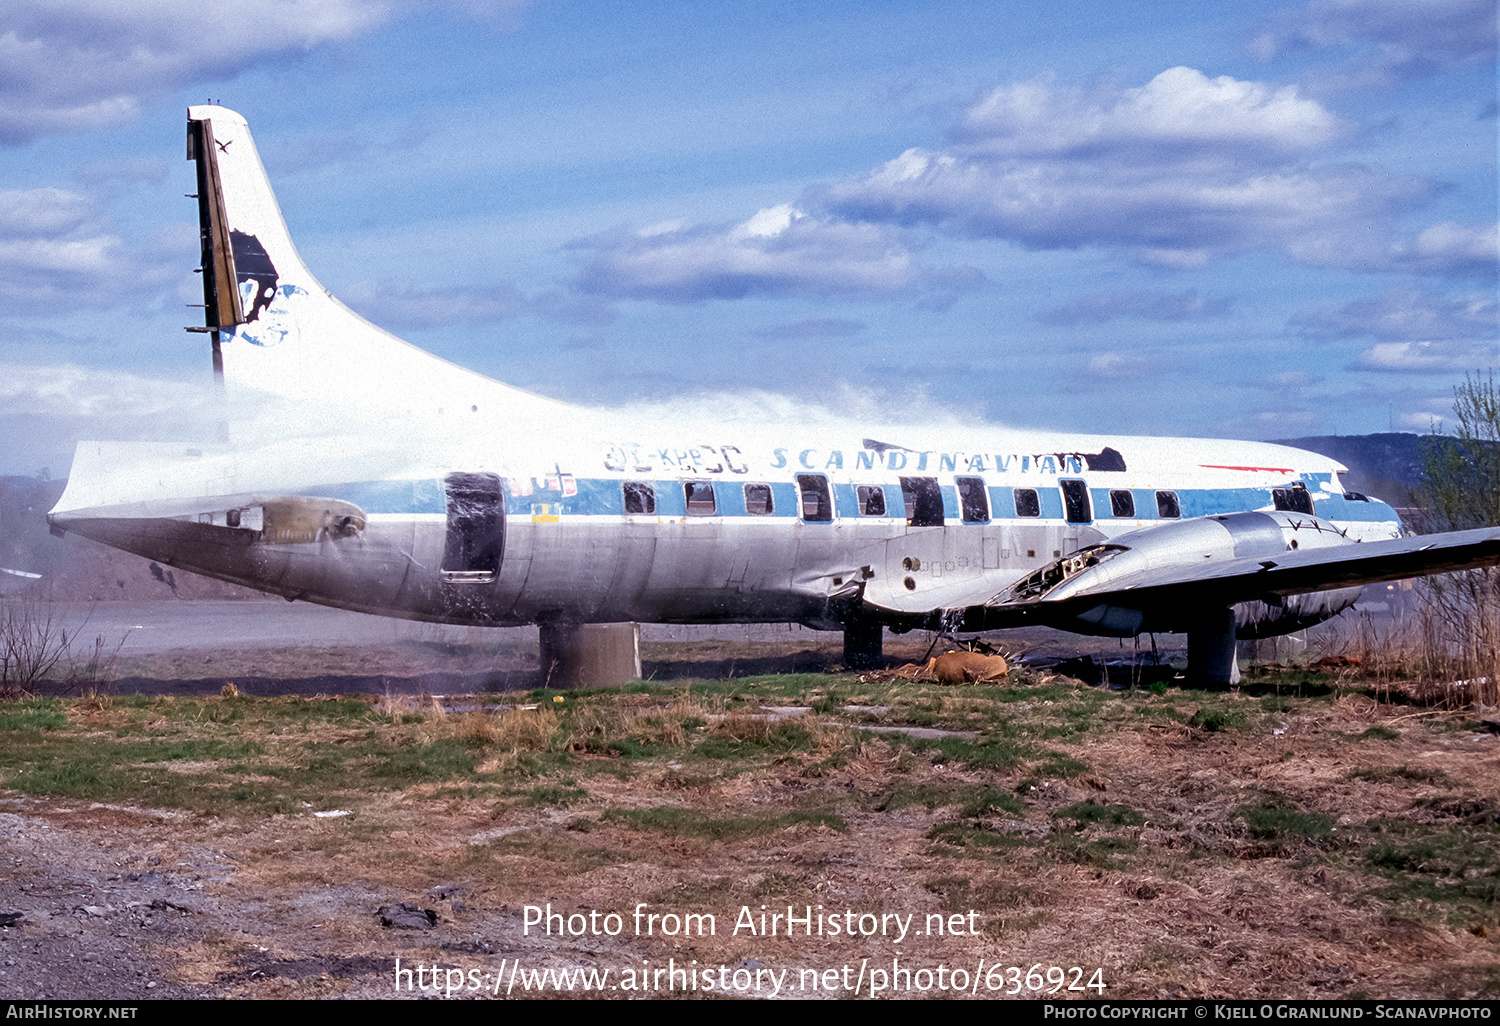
(1461, 491)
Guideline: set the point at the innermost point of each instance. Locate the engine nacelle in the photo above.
(1134, 560)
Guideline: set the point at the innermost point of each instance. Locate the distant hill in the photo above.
(25, 543)
(1387, 466)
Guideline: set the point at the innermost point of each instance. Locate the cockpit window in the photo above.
(1293, 500)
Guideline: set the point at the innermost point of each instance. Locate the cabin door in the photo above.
(476, 529)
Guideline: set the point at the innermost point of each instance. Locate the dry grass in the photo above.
(1361, 835)
(1447, 654)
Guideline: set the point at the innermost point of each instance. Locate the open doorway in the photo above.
(476, 528)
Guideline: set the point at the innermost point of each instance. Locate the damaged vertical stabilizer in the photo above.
(282, 333)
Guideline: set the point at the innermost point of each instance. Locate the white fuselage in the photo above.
(604, 522)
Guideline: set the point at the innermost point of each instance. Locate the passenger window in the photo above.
(639, 497)
(974, 500)
(1294, 499)
(817, 503)
(1076, 506)
(1167, 507)
(924, 501)
(1027, 503)
(758, 501)
(700, 498)
(1121, 503)
(871, 500)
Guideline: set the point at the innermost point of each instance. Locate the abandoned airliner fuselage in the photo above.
(447, 496)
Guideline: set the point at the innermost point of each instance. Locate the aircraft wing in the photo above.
(1289, 573)
(1108, 585)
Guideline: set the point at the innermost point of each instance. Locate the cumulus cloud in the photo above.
(1427, 357)
(1449, 249)
(1150, 306)
(780, 251)
(1406, 315)
(1181, 170)
(1424, 421)
(57, 252)
(1389, 40)
(1178, 108)
(78, 64)
(67, 390)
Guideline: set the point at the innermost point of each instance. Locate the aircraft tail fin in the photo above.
(279, 330)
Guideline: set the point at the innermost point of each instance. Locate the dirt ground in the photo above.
(1112, 851)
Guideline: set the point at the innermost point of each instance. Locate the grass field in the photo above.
(1292, 838)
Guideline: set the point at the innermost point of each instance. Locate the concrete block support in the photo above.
(1211, 650)
(593, 655)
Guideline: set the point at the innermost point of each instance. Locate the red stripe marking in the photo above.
(1269, 470)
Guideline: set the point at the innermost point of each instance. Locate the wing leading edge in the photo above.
(1163, 579)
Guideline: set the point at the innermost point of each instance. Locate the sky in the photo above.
(1248, 220)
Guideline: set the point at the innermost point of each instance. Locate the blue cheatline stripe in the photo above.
(420, 495)
(605, 497)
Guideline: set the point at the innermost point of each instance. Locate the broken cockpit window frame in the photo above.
(924, 501)
(871, 500)
(817, 501)
(1028, 503)
(759, 501)
(1121, 503)
(1167, 506)
(699, 496)
(1293, 499)
(973, 500)
(640, 497)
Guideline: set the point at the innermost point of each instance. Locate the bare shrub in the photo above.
(1460, 637)
(33, 642)
(1461, 490)
(92, 668)
(37, 649)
